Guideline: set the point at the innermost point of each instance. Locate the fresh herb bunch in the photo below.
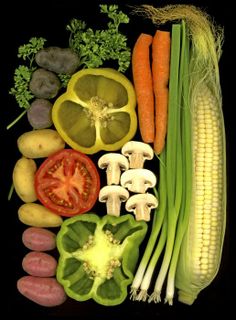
(95, 47)
(22, 74)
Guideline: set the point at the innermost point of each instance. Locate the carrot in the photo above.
(160, 74)
(142, 77)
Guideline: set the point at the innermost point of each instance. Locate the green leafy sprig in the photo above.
(23, 73)
(29, 50)
(95, 47)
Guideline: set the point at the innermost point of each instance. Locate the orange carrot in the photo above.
(160, 73)
(142, 78)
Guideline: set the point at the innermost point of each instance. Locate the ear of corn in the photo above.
(201, 250)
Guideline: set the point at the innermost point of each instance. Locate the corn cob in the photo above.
(201, 249)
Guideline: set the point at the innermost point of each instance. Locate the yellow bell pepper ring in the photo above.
(97, 112)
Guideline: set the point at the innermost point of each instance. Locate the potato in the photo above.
(40, 143)
(36, 215)
(46, 292)
(58, 60)
(44, 84)
(40, 114)
(23, 179)
(39, 239)
(39, 264)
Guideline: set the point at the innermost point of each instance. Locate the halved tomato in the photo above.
(67, 183)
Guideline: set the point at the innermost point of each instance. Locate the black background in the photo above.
(20, 22)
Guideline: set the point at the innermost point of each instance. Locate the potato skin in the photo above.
(36, 215)
(58, 60)
(40, 143)
(44, 84)
(46, 292)
(39, 239)
(40, 114)
(39, 264)
(23, 179)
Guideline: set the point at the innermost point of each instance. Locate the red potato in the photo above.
(39, 264)
(39, 239)
(46, 292)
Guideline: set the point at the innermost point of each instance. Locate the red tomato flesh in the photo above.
(67, 183)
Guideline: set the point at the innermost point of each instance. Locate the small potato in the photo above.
(40, 143)
(40, 114)
(36, 215)
(39, 239)
(44, 84)
(39, 264)
(58, 60)
(23, 179)
(46, 292)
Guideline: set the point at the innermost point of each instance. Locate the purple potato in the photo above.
(40, 114)
(58, 60)
(44, 84)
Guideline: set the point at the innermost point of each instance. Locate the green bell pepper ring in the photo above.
(98, 256)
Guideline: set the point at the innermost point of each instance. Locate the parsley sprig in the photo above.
(95, 47)
(23, 73)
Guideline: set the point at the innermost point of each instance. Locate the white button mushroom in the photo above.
(113, 196)
(138, 180)
(137, 152)
(141, 205)
(114, 163)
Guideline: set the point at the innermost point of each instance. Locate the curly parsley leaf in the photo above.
(64, 79)
(95, 47)
(23, 73)
(21, 90)
(29, 50)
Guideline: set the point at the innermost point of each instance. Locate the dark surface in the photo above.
(48, 19)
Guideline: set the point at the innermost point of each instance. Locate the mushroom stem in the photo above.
(113, 205)
(138, 185)
(136, 160)
(142, 212)
(113, 173)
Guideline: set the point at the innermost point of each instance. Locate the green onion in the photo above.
(156, 227)
(142, 277)
(187, 164)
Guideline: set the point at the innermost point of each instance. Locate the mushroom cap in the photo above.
(138, 147)
(136, 179)
(113, 157)
(142, 198)
(113, 190)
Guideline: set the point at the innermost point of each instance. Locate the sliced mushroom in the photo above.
(113, 196)
(138, 180)
(141, 205)
(137, 152)
(114, 163)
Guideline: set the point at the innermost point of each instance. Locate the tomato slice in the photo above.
(67, 183)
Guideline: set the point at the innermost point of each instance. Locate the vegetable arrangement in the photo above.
(79, 109)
